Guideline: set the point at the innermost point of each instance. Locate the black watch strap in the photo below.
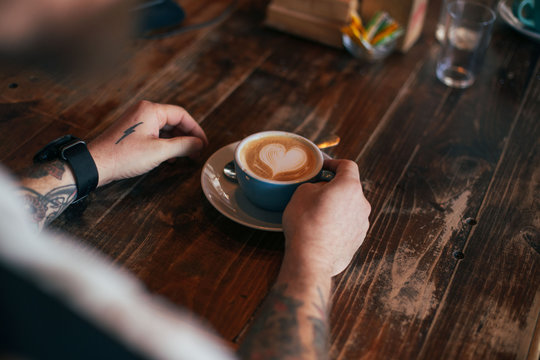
(76, 154)
(84, 168)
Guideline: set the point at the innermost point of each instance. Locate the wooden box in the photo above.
(318, 20)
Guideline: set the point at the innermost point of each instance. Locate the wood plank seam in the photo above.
(117, 201)
(22, 143)
(236, 86)
(226, 269)
(386, 117)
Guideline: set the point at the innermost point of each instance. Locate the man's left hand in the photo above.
(145, 136)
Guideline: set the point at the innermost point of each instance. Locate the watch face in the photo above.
(52, 150)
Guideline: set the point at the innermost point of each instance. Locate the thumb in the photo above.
(180, 146)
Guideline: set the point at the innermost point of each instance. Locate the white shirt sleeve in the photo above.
(104, 294)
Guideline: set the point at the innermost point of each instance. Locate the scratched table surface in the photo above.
(451, 265)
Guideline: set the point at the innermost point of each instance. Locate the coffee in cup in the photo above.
(280, 158)
(270, 166)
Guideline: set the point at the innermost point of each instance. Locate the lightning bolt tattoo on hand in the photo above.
(128, 132)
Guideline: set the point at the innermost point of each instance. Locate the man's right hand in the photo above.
(325, 223)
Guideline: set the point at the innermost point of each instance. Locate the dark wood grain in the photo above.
(450, 266)
(20, 155)
(496, 284)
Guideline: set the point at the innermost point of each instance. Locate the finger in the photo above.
(319, 184)
(181, 146)
(310, 186)
(177, 117)
(344, 169)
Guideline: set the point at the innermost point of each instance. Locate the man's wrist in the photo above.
(305, 268)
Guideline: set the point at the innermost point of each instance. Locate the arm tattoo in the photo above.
(128, 132)
(275, 333)
(46, 208)
(54, 168)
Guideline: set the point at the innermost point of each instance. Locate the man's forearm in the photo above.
(293, 321)
(48, 189)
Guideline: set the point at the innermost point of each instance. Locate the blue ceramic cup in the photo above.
(528, 12)
(270, 194)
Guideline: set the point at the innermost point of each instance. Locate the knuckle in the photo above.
(351, 164)
(143, 105)
(184, 113)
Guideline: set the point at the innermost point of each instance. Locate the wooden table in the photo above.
(451, 265)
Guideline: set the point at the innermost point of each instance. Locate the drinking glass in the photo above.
(466, 37)
(439, 30)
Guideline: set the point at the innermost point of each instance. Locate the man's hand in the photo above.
(325, 223)
(146, 135)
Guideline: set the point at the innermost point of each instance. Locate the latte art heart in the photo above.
(280, 160)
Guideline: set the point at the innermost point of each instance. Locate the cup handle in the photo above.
(524, 20)
(325, 175)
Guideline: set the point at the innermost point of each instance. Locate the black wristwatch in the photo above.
(76, 154)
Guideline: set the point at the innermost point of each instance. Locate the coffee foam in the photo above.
(279, 158)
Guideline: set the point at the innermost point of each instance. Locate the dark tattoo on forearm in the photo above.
(54, 168)
(128, 132)
(46, 208)
(275, 333)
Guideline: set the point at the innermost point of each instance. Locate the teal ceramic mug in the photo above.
(268, 191)
(528, 12)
